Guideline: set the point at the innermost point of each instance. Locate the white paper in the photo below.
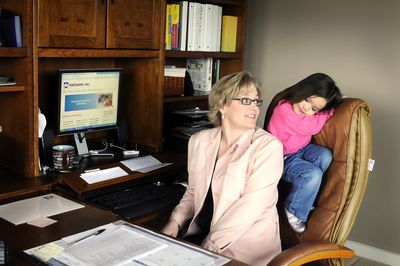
(103, 175)
(113, 248)
(125, 244)
(22, 211)
(144, 164)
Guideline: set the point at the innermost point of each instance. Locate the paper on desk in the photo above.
(113, 248)
(103, 175)
(125, 244)
(144, 164)
(22, 211)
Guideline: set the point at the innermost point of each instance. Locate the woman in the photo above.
(233, 170)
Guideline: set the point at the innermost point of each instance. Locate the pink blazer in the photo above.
(245, 223)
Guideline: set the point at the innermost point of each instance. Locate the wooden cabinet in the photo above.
(133, 24)
(128, 34)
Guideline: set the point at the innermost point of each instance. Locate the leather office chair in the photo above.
(348, 134)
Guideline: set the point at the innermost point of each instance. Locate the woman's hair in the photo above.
(226, 89)
(318, 84)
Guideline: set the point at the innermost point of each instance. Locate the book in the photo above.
(200, 70)
(174, 9)
(228, 35)
(215, 70)
(11, 32)
(168, 27)
(184, 8)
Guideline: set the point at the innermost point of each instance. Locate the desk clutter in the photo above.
(136, 246)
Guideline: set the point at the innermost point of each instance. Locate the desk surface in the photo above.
(79, 186)
(22, 237)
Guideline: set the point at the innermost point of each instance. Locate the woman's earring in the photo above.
(222, 116)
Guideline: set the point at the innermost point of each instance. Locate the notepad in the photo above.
(22, 211)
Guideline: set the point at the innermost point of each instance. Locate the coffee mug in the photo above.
(63, 157)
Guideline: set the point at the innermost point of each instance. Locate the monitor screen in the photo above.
(88, 100)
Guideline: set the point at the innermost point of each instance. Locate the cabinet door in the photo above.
(134, 24)
(72, 23)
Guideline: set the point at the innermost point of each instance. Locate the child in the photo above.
(294, 116)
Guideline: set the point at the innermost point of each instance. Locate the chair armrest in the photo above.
(308, 252)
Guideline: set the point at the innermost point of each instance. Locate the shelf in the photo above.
(223, 2)
(200, 54)
(13, 52)
(49, 52)
(185, 99)
(13, 88)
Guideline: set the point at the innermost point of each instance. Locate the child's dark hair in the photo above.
(318, 84)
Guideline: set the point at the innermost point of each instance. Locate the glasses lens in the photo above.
(246, 101)
(258, 102)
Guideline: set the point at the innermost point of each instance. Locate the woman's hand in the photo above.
(171, 228)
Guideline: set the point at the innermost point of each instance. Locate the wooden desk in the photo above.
(22, 237)
(84, 190)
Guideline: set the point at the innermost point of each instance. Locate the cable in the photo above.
(119, 147)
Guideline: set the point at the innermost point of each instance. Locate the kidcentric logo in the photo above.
(68, 84)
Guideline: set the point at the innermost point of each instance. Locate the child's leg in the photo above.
(318, 155)
(305, 170)
(306, 180)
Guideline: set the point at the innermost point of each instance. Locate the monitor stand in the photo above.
(83, 150)
(81, 146)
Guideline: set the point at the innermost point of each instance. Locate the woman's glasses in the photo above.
(248, 101)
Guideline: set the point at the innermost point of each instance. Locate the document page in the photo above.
(26, 210)
(144, 164)
(113, 249)
(122, 243)
(103, 175)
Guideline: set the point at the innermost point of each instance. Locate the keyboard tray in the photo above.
(141, 200)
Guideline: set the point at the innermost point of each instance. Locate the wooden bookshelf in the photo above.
(128, 34)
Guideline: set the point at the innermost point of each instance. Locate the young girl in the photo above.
(294, 116)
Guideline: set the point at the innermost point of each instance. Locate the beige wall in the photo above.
(356, 42)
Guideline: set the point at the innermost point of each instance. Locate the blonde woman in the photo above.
(234, 169)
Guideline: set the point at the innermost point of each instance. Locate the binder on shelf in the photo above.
(216, 33)
(191, 26)
(208, 27)
(184, 8)
(11, 32)
(196, 26)
(228, 35)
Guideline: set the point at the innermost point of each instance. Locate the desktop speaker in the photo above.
(122, 131)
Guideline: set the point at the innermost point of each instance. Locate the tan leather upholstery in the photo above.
(348, 134)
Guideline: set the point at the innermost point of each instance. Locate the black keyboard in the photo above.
(141, 200)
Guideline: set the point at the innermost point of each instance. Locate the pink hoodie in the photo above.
(295, 130)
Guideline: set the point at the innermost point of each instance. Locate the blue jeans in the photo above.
(305, 169)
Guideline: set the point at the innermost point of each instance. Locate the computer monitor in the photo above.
(87, 101)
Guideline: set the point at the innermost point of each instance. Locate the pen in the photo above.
(92, 170)
(98, 232)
